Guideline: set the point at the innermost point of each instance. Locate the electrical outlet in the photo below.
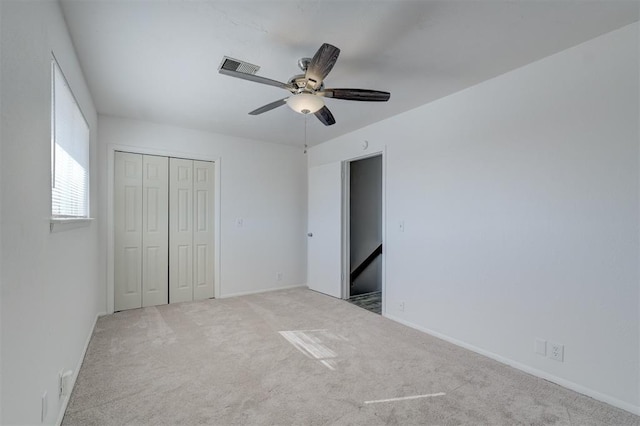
(401, 306)
(64, 381)
(540, 347)
(279, 276)
(556, 351)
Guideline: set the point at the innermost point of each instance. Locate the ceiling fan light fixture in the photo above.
(305, 103)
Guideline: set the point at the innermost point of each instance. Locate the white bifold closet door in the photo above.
(141, 230)
(190, 230)
(127, 218)
(163, 225)
(203, 248)
(155, 230)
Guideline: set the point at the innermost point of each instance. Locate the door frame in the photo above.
(111, 153)
(346, 222)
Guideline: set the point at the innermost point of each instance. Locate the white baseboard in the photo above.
(246, 293)
(65, 401)
(634, 409)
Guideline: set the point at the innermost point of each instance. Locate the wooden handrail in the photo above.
(362, 266)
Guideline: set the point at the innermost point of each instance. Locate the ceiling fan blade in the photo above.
(257, 79)
(325, 116)
(321, 64)
(269, 107)
(356, 95)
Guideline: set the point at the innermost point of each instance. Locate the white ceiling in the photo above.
(158, 60)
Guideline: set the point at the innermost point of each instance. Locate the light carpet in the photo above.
(299, 357)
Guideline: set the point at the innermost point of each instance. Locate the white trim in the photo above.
(634, 409)
(67, 397)
(57, 224)
(216, 229)
(268, 290)
(345, 230)
(346, 163)
(111, 149)
(384, 230)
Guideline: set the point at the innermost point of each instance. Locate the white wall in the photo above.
(520, 198)
(263, 184)
(51, 282)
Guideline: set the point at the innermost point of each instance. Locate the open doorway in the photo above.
(364, 286)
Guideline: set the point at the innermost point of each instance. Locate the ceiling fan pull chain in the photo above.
(305, 133)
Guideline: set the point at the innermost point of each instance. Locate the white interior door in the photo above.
(180, 230)
(128, 231)
(155, 235)
(324, 242)
(203, 179)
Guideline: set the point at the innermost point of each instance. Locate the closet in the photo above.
(163, 225)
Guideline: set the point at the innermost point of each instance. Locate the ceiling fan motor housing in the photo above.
(301, 82)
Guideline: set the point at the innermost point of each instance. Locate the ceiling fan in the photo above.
(307, 90)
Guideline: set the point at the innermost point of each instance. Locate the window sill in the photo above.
(58, 224)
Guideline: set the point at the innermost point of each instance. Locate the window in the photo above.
(69, 152)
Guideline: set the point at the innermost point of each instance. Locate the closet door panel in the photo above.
(128, 231)
(155, 236)
(180, 230)
(203, 187)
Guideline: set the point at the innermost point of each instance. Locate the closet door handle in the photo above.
(310, 234)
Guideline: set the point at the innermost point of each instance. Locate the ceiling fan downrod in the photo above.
(303, 63)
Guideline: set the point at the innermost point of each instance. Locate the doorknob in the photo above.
(310, 234)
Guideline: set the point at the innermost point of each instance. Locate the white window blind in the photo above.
(69, 152)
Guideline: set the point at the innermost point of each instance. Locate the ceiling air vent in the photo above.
(237, 65)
